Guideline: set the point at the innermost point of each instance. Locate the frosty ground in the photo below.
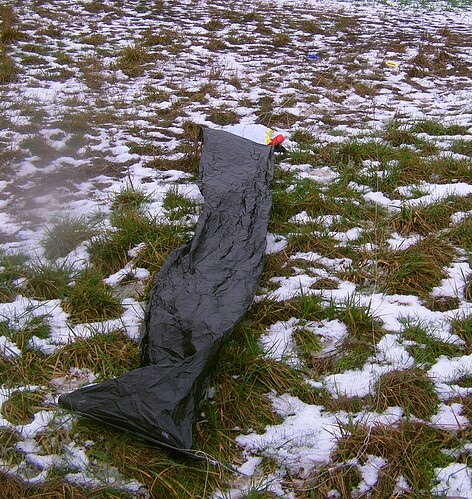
(352, 374)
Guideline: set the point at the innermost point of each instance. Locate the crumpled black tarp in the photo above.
(201, 292)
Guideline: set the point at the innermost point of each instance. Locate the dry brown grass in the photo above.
(275, 265)
(410, 389)
(243, 376)
(412, 450)
(417, 269)
(20, 407)
(348, 404)
(341, 478)
(12, 488)
(110, 355)
(468, 288)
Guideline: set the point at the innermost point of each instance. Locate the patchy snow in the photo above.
(74, 379)
(331, 334)
(275, 243)
(447, 369)
(449, 417)
(455, 480)
(370, 473)
(87, 140)
(435, 192)
(249, 467)
(278, 343)
(305, 439)
(8, 349)
(355, 383)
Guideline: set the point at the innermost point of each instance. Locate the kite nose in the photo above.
(278, 139)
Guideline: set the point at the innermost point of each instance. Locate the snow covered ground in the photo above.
(78, 126)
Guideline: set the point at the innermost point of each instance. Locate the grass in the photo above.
(427, 349)
(56, 488)
(109, 251)
(177, 205)
(11, 269)
(462, 326)
(90, 299)
(364, 329)
(188, 160)
(342, 478)
(355, 152)
(48, 281)
(399, 164)
(460, 234)
(129, 199)
(65, 235)
(223, 117)
(242, 368)
(110, 354)
(164, 37)
(8, 68)
(307, 343)
(37, 146)
(462, 146)
(412, 450)
(157, 118)
(412, 390)
(290, 199)
(21, 407)
(360, 321)
(93, 71)
(417, 269)
(37, 326)
(9, 32)
(397, 134)
(424, 220)
(432, 127)
(132, 60)
(355, 354)
(468, 289)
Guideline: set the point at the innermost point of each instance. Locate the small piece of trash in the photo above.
(313, 57)
(391, 64)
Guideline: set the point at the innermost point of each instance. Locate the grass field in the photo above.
(351, 375)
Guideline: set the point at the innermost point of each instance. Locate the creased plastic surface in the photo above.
(201, 292)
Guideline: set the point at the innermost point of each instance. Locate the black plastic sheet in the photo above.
(201, 292)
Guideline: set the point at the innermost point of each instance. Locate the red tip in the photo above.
(278, 139)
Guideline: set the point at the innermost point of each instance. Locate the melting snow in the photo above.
(307, 435)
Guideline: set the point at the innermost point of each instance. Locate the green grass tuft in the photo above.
(177, 205)
(307, 344)
(428, 349)
(132, 60)
(129, 198)
(107, 355)
(33, 326)
(432, 127)
(20, 407)
(417, 269)
(48, 281)
(109, 251)
(8, 68)
(65, 235)
(90, 299)
(11, 269)
(462, 146)
(463, 328)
